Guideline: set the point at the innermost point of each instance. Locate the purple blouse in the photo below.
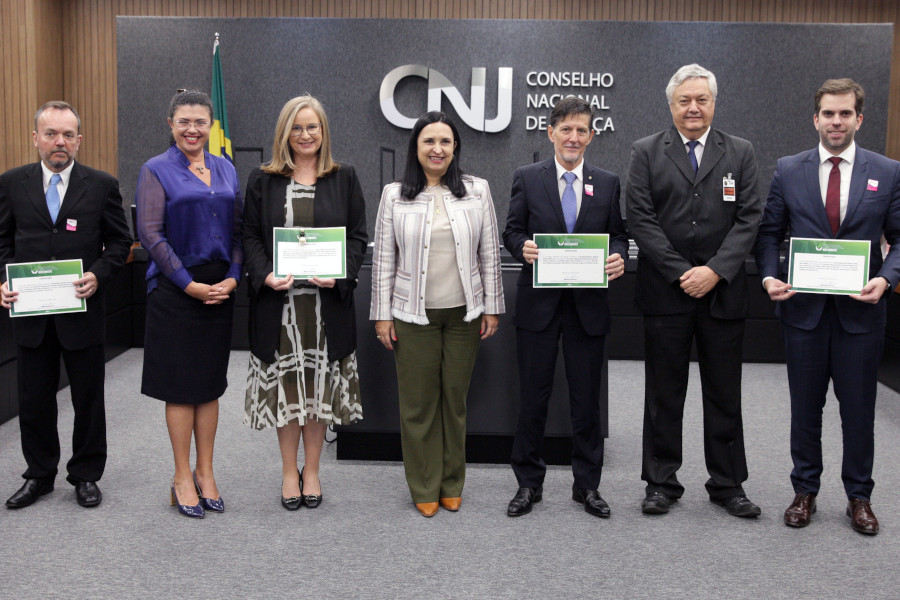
(182, 222)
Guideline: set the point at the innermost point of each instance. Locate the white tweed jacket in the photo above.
(400, 254)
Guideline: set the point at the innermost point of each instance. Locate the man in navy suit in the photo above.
(693, 209)
(57, 209)
(559, 195)
(834, 191)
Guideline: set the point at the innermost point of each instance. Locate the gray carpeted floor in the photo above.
(367, 541)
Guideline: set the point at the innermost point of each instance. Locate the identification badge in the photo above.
(588, 189)
(71, 224)
(728, 189)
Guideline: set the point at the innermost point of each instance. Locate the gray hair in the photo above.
(57, 105)
(692, 71)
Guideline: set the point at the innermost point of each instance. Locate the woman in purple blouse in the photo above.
(189, 220)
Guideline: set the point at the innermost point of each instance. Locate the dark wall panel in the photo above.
(343, 63)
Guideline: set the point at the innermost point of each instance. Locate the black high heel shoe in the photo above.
(217, 505)
(310, 500)
(294, 502)
(187, 510)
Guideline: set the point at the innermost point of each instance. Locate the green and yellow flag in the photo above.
(219, 137)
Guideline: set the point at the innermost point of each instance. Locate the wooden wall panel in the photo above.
(88, 61)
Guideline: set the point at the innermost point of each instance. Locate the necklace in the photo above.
(200, 168)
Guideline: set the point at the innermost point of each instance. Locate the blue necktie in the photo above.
(53, 197)
(691, 145)
(569, 206)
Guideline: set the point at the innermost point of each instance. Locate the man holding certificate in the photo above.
(563, 195)
(837, 196)
(60, 210)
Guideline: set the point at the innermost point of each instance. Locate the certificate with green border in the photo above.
(823, 266)
(306, 252)
(575, 260)
(45, 288)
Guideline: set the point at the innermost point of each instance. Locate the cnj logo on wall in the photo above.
(439, 86)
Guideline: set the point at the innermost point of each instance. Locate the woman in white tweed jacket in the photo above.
(436, 292)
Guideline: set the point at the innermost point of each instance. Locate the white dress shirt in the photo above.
(63, 184)
(698, 151)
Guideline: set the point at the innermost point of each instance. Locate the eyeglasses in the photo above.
(312, 129)
(185, 124)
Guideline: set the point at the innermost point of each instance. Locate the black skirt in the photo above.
(187, 343)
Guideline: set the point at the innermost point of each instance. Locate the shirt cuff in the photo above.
(182, 278)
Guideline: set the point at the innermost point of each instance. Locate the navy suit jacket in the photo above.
(795, 207)
(100, 239)
(535, 207)
(680, 220)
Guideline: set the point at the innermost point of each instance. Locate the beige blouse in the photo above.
(443, 287)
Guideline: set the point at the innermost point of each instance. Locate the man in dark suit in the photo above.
(559, 195)
(834, 191)
(89, 224)
(693, 209)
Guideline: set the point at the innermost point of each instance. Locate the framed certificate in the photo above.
(45, 288)
(306, 252)
(571, 260)
(824, 266)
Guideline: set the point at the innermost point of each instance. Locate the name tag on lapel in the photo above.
(71, 224)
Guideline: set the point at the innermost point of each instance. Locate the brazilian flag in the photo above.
(219, 137)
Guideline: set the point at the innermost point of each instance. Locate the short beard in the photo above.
(59, 165)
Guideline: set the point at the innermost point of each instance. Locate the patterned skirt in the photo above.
(302, 383)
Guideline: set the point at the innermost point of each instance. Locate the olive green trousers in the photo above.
(434, 367)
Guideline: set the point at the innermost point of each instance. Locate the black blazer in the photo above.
(338, 202)
(101, 240)
(534, 207)
(679, 220)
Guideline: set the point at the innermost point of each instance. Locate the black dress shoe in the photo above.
(88, 494)
(657, 503)
(30, 491)
(593, 503)
(523, 500)
(739, 506)
(310, 500)
(294, 502)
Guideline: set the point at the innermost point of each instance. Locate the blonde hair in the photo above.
(282, 162)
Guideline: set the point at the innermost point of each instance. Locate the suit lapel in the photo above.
(74, 192)
(712, 153)
(859, 177)
(551, 188)
(814, 190)
(34, 190)
(675, 151)
(586, 199)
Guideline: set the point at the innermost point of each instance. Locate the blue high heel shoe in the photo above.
(187, 510)
(217, 505)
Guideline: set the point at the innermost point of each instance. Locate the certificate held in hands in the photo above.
(571, 260)
(45, 288)
(825, 266)
(307, 252)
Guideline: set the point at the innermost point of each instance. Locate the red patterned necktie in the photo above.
(833, 195)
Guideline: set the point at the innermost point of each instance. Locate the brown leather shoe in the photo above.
(862, 519)
(428, 509)
(799, 513)
(451, 504)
